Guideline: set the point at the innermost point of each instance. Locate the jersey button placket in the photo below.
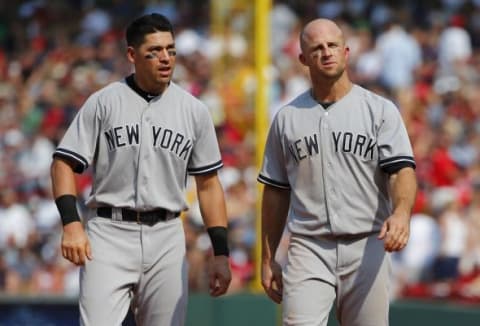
(330, 176)
(146, 128)
(325, 155)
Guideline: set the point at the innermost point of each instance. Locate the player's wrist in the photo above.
(67, 207)
(219, 238)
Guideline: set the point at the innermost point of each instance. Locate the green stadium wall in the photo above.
(244, 309)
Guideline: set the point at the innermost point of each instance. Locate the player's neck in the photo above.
(326, 91)
(145, 86)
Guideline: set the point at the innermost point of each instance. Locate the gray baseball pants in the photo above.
(137, 266)
(353, 273)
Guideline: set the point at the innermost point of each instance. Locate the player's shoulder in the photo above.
(178, 91)
(301, 102)
(372, 98)
(112, 89)
(115, 87)
(184, 99)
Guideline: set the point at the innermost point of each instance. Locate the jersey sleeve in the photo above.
(205, 157)
(79, 141)
(273, 171)
(395, 150)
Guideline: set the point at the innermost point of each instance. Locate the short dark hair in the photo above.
(144, 25)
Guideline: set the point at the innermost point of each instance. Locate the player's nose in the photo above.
(166, 54)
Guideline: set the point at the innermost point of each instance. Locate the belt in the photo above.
(148, 217)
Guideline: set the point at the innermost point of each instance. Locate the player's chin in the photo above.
(163, 74)
(163, 79)
(332, 71)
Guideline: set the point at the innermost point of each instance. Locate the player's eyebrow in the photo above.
(160, 47)
(320, 46)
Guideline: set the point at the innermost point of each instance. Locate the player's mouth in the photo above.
(328, 63)
(164, 71)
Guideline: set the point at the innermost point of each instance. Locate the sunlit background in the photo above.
(240, 58)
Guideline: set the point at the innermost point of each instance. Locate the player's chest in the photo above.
(154, 128)
(326, 132)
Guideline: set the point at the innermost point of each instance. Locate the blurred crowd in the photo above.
(423, 55)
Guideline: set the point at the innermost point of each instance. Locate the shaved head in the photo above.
(320, 26)
(324, 50)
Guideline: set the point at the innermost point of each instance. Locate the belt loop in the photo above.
(138, 217)
(117, 214)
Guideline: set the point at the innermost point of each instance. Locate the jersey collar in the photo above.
(133, 85)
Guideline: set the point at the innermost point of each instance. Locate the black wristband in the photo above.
(218, 236)
(67, 206)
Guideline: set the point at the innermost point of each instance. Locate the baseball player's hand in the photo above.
(75, 244)
(395, 232)
(219, 275)
(272, 280)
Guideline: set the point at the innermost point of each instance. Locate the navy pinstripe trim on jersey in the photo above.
(394, 164)
(263, 179)
(393, 160)
(391, 169)
(81, 164)
(206, 169)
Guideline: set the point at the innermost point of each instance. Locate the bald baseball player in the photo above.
(142, 136)
(338, 166)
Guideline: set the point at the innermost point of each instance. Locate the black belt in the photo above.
(148, 217)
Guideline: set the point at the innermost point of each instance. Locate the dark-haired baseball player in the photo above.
(339, 164)
(142, 136)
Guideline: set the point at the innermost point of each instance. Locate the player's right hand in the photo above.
(272, 280)
(220, 275)
(75, 244)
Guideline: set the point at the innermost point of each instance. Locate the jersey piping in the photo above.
(79, 162)
(206, 169)
(397, 159)
(263, 179)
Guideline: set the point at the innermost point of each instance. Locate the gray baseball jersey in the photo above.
(336, 161)
(140, 151)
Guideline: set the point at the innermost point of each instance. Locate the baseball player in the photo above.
(142, 136)
(339, 164)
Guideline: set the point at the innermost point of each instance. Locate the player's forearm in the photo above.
(212, 201)
(63, 179)
(275, 205)
(64, 191)
(212, 207)
(403, 185)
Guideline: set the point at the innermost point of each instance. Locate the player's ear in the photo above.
(302, 59)
(131, 54)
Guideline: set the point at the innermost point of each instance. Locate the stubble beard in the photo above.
(329, 76)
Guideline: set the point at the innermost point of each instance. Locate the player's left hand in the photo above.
(395, 232)
(219, 275)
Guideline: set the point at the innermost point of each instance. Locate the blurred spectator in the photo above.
(400, 56)
(454, 46)
(471, 261)
(414, 264)
(453, 232)
(423, 55)
(368, 61)
(16, 224)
